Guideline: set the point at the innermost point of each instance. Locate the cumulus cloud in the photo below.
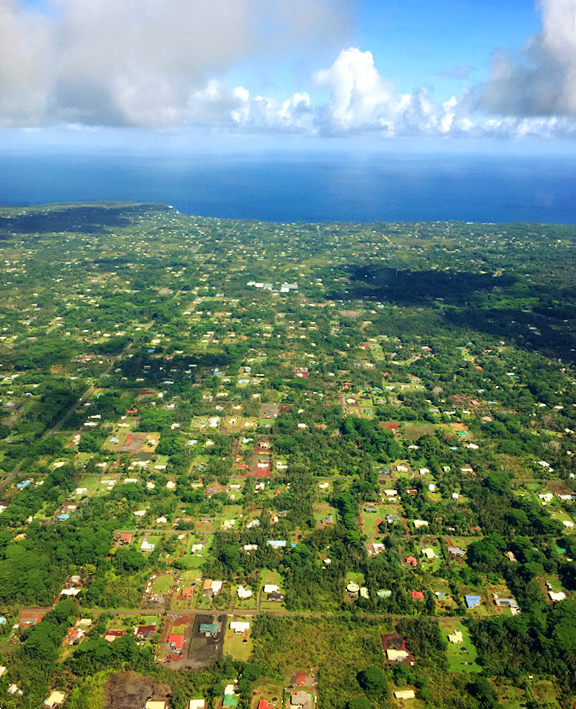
(540, 79)
(361, 101)
(142, 62)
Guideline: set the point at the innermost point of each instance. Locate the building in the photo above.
(456, 551)
(243, 592)
(506, 602)
(176, 642)
(560, 596)
(196, 704)
(239, 626)
(472, 601)
(301, 699)
(456, 637)
(404, 694)
(55, 699)
(209, 629)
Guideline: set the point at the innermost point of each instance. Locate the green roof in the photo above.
(230, 700)
(208, 628)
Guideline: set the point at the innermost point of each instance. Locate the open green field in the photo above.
(238, 645)
(460, 655)
(162, 584)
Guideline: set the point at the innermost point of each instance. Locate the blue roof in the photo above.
(24, 483)
(472, 601)
(64, 516)
(276, 543)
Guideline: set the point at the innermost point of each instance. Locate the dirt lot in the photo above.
(128, 690)
(203, 651)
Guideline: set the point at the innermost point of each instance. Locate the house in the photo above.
(417, 595)
(196, 704)
(271, 588)
(55, 699)
(510, 555)
(209, 629)
(176, 642)
(276, 597)
(390, 519)
(75, 634)
(156, 704)
(456, 551)
(73, 591)
(456, 637)
(560, 596)
(418, 523)
(383, 593)
(146, 546)
(111, 635)
(411, 560)
(276, 543)
(472, 601)
(244, 592)
(144, 631)
(264, 705)
(301, 699)
(428, 553)
(125, 538)
(371, 509)
(239, 626)
(404, 694)
(394, 655)
(506, 602)
(364, 592)
(230, 698)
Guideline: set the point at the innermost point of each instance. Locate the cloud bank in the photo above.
(157, 63)
(143, 62)
(539, 80)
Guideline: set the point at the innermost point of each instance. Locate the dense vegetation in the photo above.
(375, 420)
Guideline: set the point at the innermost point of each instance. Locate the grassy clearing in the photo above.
(272, 693)
(162, 585)
(239, 645)
(462, 652)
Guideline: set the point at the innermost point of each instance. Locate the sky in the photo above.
(138, 71)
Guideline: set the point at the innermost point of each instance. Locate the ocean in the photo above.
(312, 186)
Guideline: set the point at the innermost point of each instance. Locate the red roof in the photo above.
(264, 705)
(417, 595)
(178, 640)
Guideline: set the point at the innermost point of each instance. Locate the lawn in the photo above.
(545, 691)
(91, 483)
(459, 653)
(272, 693)
(239, 645)
(371, 520)
(245, 603)
(162, 584)
(355, 576)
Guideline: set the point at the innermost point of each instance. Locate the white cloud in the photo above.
(143, 62)
(540, 80)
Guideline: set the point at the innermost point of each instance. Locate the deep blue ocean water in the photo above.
(309, 186)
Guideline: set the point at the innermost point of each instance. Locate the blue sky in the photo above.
(315, 70)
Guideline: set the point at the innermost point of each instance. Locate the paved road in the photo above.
(231, 612)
